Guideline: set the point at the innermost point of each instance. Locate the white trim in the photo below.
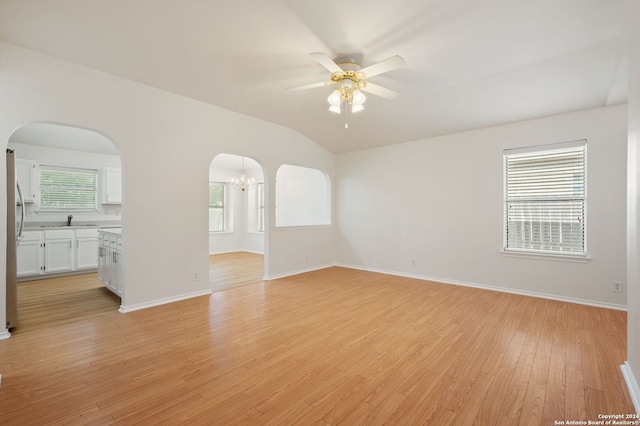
(546, 256)
(632, 385)
(296, 272)
(495, 288)
(554, 146)
(124, 309)
(4, 335)
(236, 251)
(300, 227)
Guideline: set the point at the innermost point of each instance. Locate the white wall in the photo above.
(440, 201)
(303, 197)
(632, 367)
(166, 144)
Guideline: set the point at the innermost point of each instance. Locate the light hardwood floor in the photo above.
(335, 346)
(230, 270)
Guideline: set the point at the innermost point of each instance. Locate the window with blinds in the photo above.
(545, 199)
(68, 189)
(216, 207)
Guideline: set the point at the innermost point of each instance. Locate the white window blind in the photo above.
(545, 196)
(67, 188)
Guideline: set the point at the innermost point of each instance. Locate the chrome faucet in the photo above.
(69, 219)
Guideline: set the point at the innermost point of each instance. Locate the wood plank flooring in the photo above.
(56, 301)
(230, 270)
(329, 347)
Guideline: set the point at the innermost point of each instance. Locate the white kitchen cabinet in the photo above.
(86, 249)
(30, 254)
(58, 251)
(111, 186)
(104, 259)
(25, 173)
(110, 260)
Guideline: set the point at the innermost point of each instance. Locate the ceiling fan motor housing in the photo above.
(349, 79)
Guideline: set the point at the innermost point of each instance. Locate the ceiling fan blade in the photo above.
(309, 86)
(326, 62)
(383, 66)
(383, 92)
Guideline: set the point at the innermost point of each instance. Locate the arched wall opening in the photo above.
(303, 197)
(237, 221)
(72, 185)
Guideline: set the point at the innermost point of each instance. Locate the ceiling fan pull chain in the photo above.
(346, 112)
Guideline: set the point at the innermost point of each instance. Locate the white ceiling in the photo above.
(470, 64)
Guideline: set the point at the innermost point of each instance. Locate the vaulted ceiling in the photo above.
(469, 64)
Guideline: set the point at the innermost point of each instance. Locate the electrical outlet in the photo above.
(413, 261)
(306, 259)
(195, 276)
(617, 287)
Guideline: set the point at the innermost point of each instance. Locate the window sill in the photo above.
(221, 232)
(546, 256)
(293, 228)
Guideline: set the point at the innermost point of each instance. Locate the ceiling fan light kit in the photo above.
(349, 78)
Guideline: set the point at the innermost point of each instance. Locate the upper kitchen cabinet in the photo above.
(111, 186)
(25, 172)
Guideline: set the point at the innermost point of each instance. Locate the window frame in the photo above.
(532, 153)
(260, 206)
(43, 208)
(223, 208)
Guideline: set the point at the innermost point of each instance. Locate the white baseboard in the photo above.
(236, 251)
(296, 272)
(130, 308)
(494, 288)
(632, 385)
(4, 334)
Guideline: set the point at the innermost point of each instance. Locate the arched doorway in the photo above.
(72, 187)
(237, 223)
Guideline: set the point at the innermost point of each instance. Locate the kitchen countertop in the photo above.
(54, 226)
(112, 231)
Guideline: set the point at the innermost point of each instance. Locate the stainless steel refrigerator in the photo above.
(15, 224)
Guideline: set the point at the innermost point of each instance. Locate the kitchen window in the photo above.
(217, 206)
(68, 189)
(545, 199)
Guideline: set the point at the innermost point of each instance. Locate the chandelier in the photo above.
(242, 183)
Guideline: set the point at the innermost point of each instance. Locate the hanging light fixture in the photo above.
(348, 92)
(243, 183)
(350, 80)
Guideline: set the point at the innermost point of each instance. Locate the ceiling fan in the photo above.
(350, 79)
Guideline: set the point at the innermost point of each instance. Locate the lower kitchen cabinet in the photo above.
(30, 254)
(110, 260)
(86, 249)
(57, 251)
